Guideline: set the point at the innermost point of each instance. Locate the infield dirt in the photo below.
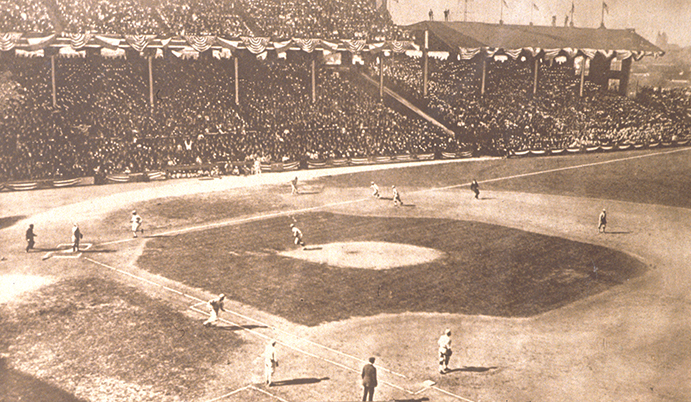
(630, 342)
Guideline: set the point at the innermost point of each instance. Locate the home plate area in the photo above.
(65, 251)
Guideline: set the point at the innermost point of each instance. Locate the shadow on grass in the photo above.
(10, 220)
(298, 381)
(473, 369)
(101, 251)
(619, 232)
(18, 386)
(307, 192)
(238, 327)
(412, 400)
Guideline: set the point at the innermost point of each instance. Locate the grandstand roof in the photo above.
(472, 35)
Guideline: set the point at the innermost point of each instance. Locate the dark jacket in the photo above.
(369, 376)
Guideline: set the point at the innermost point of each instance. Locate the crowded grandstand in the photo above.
(134, 86)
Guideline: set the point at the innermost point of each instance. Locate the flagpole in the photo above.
(602, 18)
(501, 12)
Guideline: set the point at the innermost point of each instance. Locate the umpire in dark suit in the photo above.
(369, 380)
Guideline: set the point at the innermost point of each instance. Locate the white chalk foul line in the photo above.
(284, 213)
(229, 394)
(256, 333)
(268, 393)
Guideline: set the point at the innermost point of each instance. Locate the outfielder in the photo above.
(216, 306)
(444, 351)
(602, 222)
(294, 186)
(136, 224)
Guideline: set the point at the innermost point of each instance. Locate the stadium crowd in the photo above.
(103, 120)
(510, 118)
(25, 16)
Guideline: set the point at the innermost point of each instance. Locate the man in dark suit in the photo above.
(369, 380)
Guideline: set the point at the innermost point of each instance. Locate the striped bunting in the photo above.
(139, 42)
(354, 45)
(538, 151)
(653, 145)
(339, 162)
(557, 151)
(307, 45)
(255, 45)
(359, 161)
(291, 165)
(22, 186)
(425, 157)
(315, 164)
(156, 175)
(200, 43)
(66, 183)
(78, 40)
(9, 40)
(119, 178)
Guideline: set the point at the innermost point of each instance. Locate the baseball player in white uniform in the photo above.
(375, 190)
(444, 351)
(297, 235)
(136, 221)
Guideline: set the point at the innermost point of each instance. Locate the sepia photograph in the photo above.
(345, 200)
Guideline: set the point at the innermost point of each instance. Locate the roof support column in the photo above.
(535, 74)
(151, 83)
(381, 76)
(237, 83)
(52, 80)
(580, 91)
(625, 76)
(425, 64)
(314, 80)
(484, 75)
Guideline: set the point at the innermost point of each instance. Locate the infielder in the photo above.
(602, 222)
(270, 362)
(475, 188)
(136, 221)
(375, 190)
(30, 238)
(216, 306)
(444, 351)
(297, 235)
(396, 197)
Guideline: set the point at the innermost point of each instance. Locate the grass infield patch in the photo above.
(488, 269)
(112, 337)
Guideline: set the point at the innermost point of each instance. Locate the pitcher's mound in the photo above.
(367, 255)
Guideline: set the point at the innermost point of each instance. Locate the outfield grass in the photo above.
(657, 179)
(114, 338)
(489, 270)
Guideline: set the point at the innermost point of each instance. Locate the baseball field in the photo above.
(541, 306)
